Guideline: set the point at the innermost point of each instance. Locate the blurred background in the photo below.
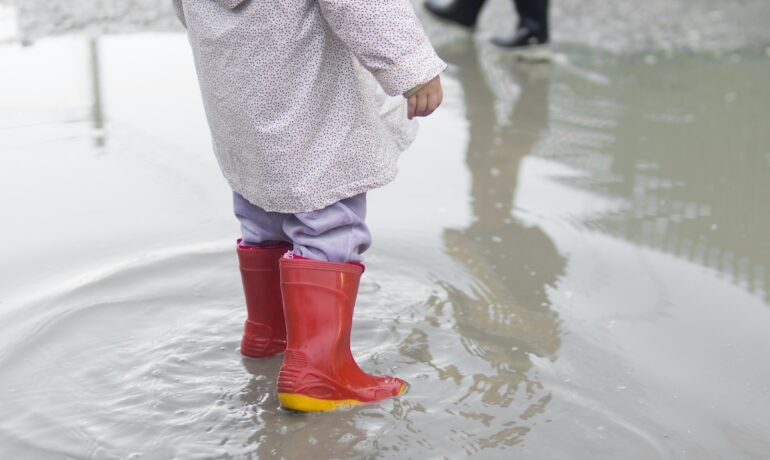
(585, 274)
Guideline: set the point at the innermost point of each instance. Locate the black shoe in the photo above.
(462, 12)
(531, 42)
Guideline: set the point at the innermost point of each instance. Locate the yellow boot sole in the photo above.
(302, 403)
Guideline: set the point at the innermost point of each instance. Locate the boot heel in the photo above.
(259, 342)
(290, 374)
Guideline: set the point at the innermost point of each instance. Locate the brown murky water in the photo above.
(582, 270)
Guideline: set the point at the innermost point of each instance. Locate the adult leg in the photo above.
(462, 12)
(534, 14)
(531, 34)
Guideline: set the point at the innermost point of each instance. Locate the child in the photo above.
(299, 135)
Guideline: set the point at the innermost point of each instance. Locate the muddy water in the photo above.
(582, 270)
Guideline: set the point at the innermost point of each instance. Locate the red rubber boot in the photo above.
(264, 333)
(318, 371)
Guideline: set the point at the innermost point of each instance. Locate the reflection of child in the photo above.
(301, 135)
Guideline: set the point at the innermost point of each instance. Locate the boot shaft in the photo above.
(264, 332)
(261, 277)
(318, 300)
(260, 258)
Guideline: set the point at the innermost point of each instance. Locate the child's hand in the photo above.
(426, 100)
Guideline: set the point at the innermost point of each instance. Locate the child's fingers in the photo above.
(422, 104)
(411, 104)
(433, 102)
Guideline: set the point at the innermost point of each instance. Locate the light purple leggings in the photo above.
(336, 233)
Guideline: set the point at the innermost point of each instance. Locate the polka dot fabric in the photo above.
(296, 93)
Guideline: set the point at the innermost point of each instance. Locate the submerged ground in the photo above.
(582, 269)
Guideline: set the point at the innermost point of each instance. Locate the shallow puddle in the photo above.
(573, 263)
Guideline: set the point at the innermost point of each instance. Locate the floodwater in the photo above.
(573, 263)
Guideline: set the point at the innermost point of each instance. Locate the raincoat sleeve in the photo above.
(179, 11)
(388, 40)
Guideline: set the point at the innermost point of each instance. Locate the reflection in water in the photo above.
(690, 162)
(276, 433)
(504, 317)
(97, 111)
(141, 360)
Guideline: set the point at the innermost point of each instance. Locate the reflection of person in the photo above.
(530, 35)
(299, 132)
(269, 437)
(505, 318)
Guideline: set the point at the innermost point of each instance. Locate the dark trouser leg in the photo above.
(462, 12)
(533, 14)
(532, 32)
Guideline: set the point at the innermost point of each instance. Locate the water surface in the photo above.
(581, 270)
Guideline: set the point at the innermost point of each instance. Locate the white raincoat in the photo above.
(297, 123)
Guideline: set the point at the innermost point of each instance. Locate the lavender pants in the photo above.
(336, 233)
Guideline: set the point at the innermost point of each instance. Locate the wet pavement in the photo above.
(585, 273)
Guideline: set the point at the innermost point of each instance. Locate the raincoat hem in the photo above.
(316, 201)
